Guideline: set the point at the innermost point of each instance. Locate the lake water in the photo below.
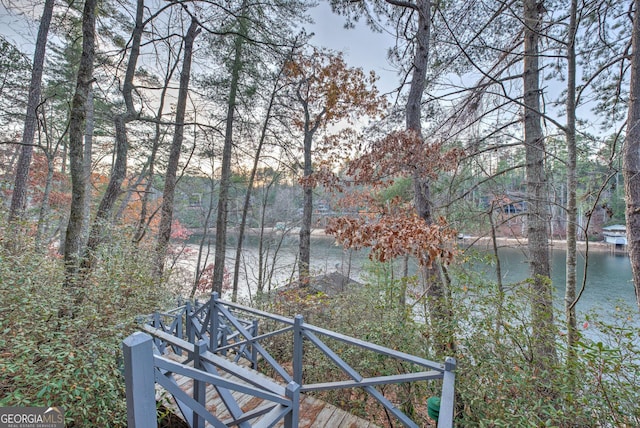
(608, 280)
(608, 276)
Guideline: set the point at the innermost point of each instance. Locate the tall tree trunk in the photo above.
(542, 304)
(494, 242)
(143, 220)
(631, 157)
(44, 207)
(265, 272)
(252, 176)
(88, 150)
(439, 313)
(168, 194)
(418, 82)
(119, 169)
(225, 174)
(572, 184)
(205, 239)
(421, 187)
(76, 132)
(19, 197)
(310, 129)
(262, 258)
(304, 260)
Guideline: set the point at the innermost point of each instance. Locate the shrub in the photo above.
(73, 362)
(499, 384)
(372, 313)
(498, 380)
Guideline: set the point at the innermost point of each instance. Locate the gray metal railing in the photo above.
(193, 322)
(235, 327)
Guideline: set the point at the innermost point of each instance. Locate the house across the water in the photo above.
(616, 235)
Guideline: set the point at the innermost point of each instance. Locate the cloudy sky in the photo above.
(361, 46)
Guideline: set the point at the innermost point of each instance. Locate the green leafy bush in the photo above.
(499, 382)
(71, 361)
(371, 312)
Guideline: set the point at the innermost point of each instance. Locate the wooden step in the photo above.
(313, 412)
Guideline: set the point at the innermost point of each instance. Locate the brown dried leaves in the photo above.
(391, 236)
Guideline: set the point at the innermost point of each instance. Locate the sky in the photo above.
(362, 47)
(367, 49)
(11, 27)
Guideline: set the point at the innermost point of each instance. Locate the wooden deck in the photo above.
(313, 412)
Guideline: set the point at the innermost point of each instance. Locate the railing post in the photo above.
(156, 320)
(187, 321)
(179, 323)
(448, 398)
(199, 387)
(254, 350)
(139, 381)
(214, 322)
(157, 323)
(225, 331)
(297, 349)
(293, 393)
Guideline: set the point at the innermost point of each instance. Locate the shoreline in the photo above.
(556, 244)
(483, 242)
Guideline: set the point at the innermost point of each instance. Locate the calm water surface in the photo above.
(608, 275)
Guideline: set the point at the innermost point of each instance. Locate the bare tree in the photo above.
(145, 216)
(537, 205)
(277, 87)
(631, 157)
(19, 197)
(166, 219)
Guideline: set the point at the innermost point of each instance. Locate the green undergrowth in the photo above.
(499, 381)
(70, 361)
(75, 362)
(370, 312)
(501, 384)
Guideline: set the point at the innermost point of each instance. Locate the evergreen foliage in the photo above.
(498, 380)
(71, 361)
